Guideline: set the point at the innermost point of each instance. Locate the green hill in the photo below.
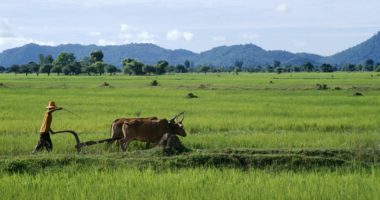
(226, 56)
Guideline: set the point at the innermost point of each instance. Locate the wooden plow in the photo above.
(79, 144)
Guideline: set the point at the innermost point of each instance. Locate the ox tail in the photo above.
(112, 132)
(111, 129)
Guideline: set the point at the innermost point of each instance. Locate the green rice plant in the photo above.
(197, 183)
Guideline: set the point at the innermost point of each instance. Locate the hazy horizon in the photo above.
(318, 27)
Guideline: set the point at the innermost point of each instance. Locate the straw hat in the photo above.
(51, 105)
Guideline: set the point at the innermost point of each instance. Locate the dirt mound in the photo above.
(191, 96)
(357, 94)
(106, 85)
(2, 85)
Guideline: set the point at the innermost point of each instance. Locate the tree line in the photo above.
(67, 64)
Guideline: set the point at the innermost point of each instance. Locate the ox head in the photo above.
(176, 124)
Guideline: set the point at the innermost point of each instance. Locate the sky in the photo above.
(323, 27)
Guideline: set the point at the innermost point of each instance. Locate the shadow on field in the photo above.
(229, 158)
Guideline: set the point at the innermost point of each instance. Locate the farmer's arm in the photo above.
(55, 109)
(51, 111)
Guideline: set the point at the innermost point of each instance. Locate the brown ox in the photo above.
(116, 126)
(150, 131)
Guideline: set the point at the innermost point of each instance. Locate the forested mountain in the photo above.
(147, 53)
(250, 54)
(358, 54)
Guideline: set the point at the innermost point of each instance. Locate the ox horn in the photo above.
(183, 117)
(176, 116)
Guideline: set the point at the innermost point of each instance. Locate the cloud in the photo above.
(94, 33)
(127, 28)
(282, 7)
(103, 42)
(178, 35)
(133, 34)
(250, 36)
(9, 39)
(5, 28)
(146, 37)
(299, 43)
(219, 38)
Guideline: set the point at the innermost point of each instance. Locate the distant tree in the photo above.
(46, 68)
(279, 70)
(349, 68)
(111, 69)
(259, 68)
(96, 56)
(187, 64)
(359, 67)
(180, 69)
(91, 70)
(72, 69)
(377, 69)
(161, 67)
(295, 68)
(326, 68)
(76, 68)
(56, 69)
(66, 70)
(99, 67)
(170, 69)
(204, 69)
(236, 70)
(270, 68)
(276, 64)
(49, 60)
(149, 69)
(45, 63)
(238, 66)
(34, 68)
(369, 65)
(85, 64)
(132, 66)
(14, 69)
(2, 69)
(41, 59)
(308, 67)
(25, 69)
(63, 60)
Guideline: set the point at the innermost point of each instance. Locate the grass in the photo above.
(192, 184)
(231, 111)
(261, 136)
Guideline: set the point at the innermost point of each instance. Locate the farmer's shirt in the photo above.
(48, 118)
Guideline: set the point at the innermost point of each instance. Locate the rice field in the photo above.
(326, 142)
(192, 184)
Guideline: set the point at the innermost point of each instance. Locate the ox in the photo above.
(117, 124)
(151, 131)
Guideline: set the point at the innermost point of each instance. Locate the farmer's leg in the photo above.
(40, 144)
(48, 143)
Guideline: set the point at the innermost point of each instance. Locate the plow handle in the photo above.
(77, 146)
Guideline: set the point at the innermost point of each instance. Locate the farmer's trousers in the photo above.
(44, 141)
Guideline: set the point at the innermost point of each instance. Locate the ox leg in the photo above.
(147, 145)
(124, 143)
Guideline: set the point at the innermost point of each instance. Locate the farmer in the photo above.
(45, 129)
